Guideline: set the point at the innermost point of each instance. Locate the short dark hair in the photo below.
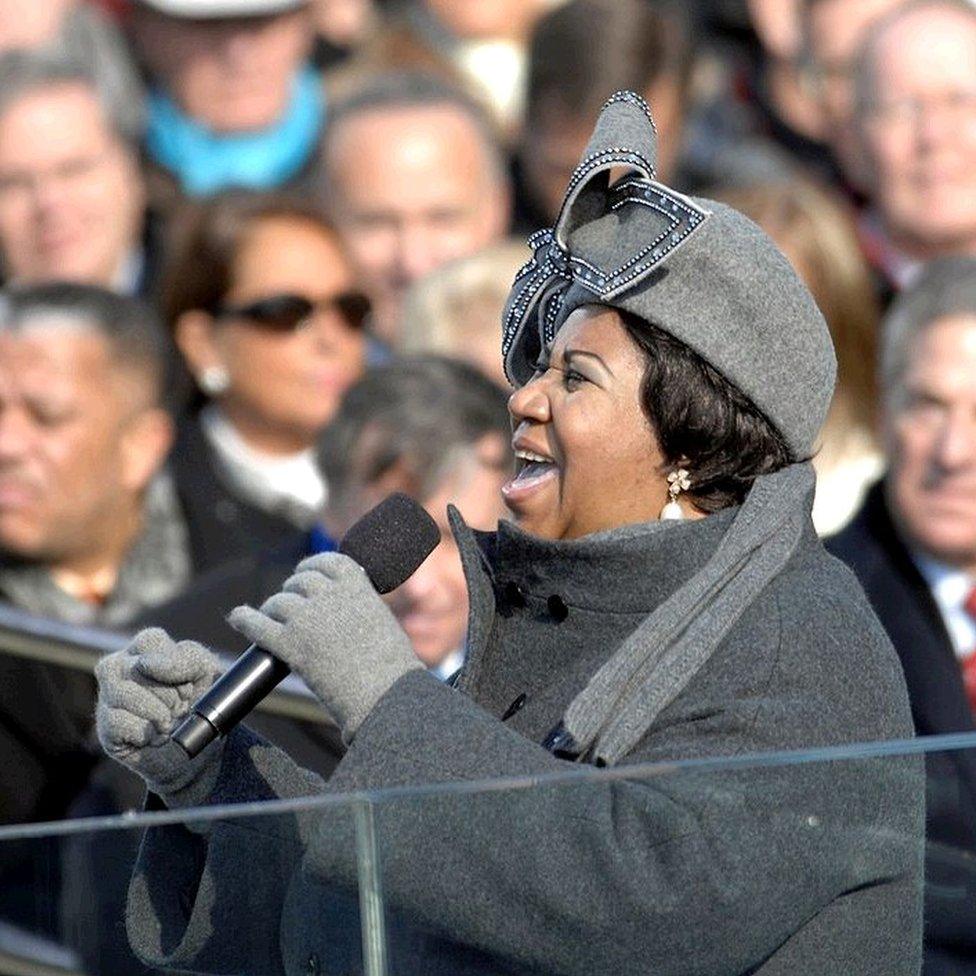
(135, 336)
(418, 413)
(209, 235)
(703, 422)
(583, 51)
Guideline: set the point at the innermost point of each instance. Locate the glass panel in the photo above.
(179, 891)
(799, 862)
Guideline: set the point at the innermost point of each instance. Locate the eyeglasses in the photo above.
(958, 108)
(289, 312)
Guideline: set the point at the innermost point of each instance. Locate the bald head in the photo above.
(917, 123)
(918, 30)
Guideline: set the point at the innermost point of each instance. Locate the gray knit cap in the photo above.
(695, 268)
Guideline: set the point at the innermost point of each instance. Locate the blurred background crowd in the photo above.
(254, 255)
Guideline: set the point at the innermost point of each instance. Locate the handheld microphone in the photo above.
(390, 542)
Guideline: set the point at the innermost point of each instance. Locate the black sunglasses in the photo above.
(288, 312)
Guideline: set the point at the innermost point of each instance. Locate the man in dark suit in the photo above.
(913, 547)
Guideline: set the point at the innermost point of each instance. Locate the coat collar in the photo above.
(654, 558)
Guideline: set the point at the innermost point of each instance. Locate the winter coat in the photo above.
(802, 868)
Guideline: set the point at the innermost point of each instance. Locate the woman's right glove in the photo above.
(144, 692)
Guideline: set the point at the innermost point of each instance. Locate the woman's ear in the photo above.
(195, 336)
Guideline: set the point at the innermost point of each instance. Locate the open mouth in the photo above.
(532, 470)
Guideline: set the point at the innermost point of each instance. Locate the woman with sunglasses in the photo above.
(659, 597)
(260, 298)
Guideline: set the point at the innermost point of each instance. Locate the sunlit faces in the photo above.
(283, 386)
(411, 189)
(230, 74)
(432, 606)
(920, 130)
(78, 443)
(588, 458)
(930, 432)
(71, 196)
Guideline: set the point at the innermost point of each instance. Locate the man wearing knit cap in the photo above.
(913, 547)
(233, 101)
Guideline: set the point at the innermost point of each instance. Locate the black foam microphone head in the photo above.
(391, 540)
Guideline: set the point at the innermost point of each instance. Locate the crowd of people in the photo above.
(255, 255)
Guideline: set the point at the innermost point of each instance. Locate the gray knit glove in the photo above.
(143, 693)
(332, 629)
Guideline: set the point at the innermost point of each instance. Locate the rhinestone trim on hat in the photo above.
(552, 268)
(634, 99)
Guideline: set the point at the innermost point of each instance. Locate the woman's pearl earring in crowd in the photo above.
(678, 481)
(214, 380)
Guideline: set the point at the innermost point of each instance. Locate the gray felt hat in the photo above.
(694, 268)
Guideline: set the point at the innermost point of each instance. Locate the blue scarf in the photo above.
(206, 162)
(320, 541)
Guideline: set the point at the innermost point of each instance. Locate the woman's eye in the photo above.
(572, 379)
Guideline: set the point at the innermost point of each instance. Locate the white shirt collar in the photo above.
(266, 479)
(950, 587)
(129, 274)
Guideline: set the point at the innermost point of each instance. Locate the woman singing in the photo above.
(659, 595)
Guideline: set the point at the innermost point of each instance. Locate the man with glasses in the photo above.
(413, 178)
(916, 121)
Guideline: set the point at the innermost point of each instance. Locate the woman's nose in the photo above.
(529, 402)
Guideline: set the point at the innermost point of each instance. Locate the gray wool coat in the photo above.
(808, 870)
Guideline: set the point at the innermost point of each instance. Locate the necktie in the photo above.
(968, 663)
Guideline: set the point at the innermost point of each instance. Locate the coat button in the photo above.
(514, 595)
(557, 608)
(313, 967)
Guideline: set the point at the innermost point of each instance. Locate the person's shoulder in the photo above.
(831, 637)
(817, 589)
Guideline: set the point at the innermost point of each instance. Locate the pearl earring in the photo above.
(678, 481)
(214, 380)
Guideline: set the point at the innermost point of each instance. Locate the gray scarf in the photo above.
(625, 696)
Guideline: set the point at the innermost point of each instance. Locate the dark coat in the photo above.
(871, 546)
(221, 525)
(801, 869)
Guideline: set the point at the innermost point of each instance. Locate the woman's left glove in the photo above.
(332, 629)
(144, 692)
